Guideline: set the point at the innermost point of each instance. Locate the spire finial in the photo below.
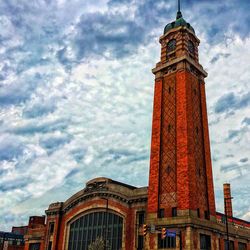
(179, 15)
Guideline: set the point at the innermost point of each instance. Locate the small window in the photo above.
(229, 246)
(140, 242)
(161, 213)
(168, 169)
(168, 242)
(171, 46)
(141, 217)
(50, 245)
(169, 90)
(199, 172)
(191, 48)
(51, 227)
(34, 246)
(198, 213)
(207, 216)
(242, 246)
(197, 130)
(174, 211)
(169, 127)
(205, 242)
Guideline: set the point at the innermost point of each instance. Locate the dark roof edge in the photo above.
(234, 218)
(108, 180)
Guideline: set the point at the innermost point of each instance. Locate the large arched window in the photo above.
(87, 228)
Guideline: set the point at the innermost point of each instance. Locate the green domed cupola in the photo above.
(180, 21)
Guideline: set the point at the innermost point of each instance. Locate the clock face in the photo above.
(191, 47)
(171, 45)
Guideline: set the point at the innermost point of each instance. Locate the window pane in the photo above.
(205, 242)
(171, 45)
(191, 47)
(242, 246)
(140, 242)
(34, 246)
(168, 242)
(141, 216)
(86, 229)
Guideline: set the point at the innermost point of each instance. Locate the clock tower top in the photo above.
(179, 43)
(180, 21)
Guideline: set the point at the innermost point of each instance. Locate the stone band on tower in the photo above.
(180, 179)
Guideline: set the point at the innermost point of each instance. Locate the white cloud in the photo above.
(246, 216)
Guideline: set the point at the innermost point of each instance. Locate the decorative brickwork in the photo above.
(153, 189)
(168, 143)
(200, 167)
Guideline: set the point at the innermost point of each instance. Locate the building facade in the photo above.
(118, 214)
(13, 240)
(177, 210)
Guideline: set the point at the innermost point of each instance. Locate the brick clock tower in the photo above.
(180, 178)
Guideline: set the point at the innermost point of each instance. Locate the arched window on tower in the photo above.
(171, 46)
(191, 47)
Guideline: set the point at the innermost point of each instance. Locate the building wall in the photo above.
(127, 203)
(36, 232)
(11, 241)
(128, 214)
(108, 196)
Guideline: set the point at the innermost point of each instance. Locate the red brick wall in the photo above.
(36, 220)
(210, 185)
(184, 152)
(167, 167)
(153, 188)
(188, 155)
(221, 242)
(52, 237)
(128, 215)
(236, 246)
(192, 167)
(36, 232)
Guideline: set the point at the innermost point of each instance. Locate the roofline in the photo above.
(108, 180)
(234, 218)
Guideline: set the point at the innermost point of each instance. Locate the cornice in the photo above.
(161, 68)
(180, 222)
(175, 30)
(97, 194)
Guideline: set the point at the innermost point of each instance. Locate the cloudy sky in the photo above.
(76, 93)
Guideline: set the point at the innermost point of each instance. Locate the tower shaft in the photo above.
(180, 179)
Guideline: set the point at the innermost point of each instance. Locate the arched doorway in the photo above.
(88, 227)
